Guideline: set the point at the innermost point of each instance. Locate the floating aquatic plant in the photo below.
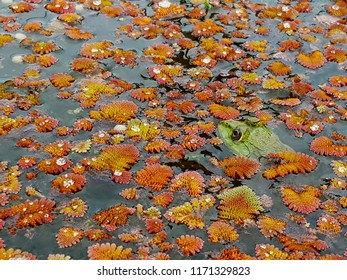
(68, 236)
(109, 251)
(222, 232)
(239, 167)
(238, 204)
(155, 176)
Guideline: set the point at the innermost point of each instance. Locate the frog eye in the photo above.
(237, 134)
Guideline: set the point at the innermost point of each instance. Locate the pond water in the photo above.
(109, 129)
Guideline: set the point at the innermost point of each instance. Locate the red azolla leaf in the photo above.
(33, 213)
(239, 167)
(311, 60)
(325, 146)
(69, 183)
(289, 44)
(305, 201)
(68, 236)
(191, 180)
(223, 112)
(55, 165)
(155, 176)
(192, 142)
(26, 162)
(114, 216)
(290, 163)
(45, 124)
(154, 225)
(189, 244)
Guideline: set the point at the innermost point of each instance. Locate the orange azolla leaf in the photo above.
(157, 146)
(46, 60)
(129, 237)
(109, 251)
(34, 212)
(343, 201)
(302, 121)
(191, 180)
(163, 199)
(325, 146)
(97, 50)
(221, 232)
(175, 152)
(71, 18)
(159, 53)
(85, 65)
(129, 193)
(311, 60)
(45, 124)
(270, 226)
(124, 57)
(155, 176)
(154, 225)
(165, 74)
(192, 142)
(339, 9)
(335, 54)
(338, 80)
(305, 201)
(69, 183)
(15, 254)
(60, 7)
(249, 103)
(279, 68)
(339, 167)
(239, 167)
(167, 9)
(117, 157)
(144, 94)
(264, 117)
(45, 47)
(233, 254)
(21, 7)
(156, 113)
(189, 244)
(58, 148)
(75, 33)
(269, 252)
(238, 204)
(83, 124)
(289, 163)
(223, 112)
(96, 234)
(289, 44)
(11, 184)
(101, 137)
(26, 162)
(290, 101)
(114, 216)
(206, 28)
(55, 165)
(61, 80)
(118, 111)
(68, 236)
(291, 244)
(328, 225)
(249, 64)
(75, 208)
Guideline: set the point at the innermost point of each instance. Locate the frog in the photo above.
(250, 138)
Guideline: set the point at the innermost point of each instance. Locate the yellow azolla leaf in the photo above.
(273, 83)
(82, 146)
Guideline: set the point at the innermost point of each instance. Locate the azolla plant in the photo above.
(111, 138)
